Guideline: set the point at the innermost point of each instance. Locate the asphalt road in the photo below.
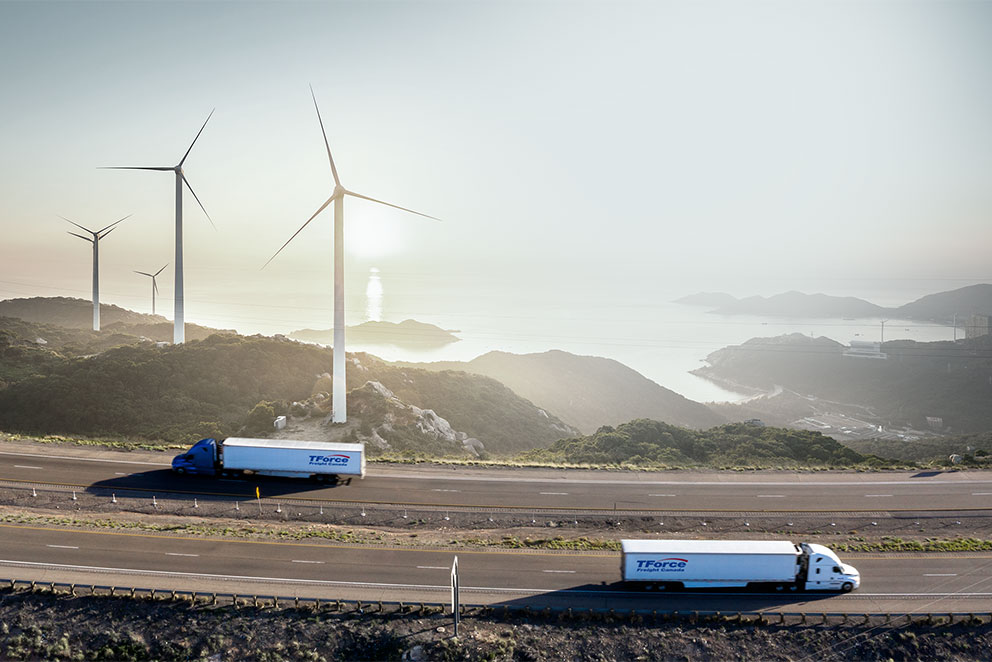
(530, 489)
(891, 583)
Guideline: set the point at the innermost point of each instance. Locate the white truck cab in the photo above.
(825, 571)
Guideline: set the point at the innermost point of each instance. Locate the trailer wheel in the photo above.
(847, 587)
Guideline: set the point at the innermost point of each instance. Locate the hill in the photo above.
(647, 443)
(943, 306)
(207, 388)
(70, 313)
(586, 391)
(406, 333)
(797, 304)
(939, 307)
(946, 385)
(69, 321)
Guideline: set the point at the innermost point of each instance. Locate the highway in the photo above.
(892, 583)
(531, 489)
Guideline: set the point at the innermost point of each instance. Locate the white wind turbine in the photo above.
(95, 240)
(154, 284)
(179, 332)
(339, 384)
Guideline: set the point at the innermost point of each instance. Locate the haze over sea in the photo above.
(628, 317)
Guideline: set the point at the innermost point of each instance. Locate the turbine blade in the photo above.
(154, 286)
(199, 203)
(89, 239)
(161, 270)
(160, 168)
(114, 223)
(101, 236)
(322, 208)
(334, 171)
(144, 274)
(77, 225)
(195, 139)
(389, 204)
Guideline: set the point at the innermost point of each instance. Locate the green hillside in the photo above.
(647, 443)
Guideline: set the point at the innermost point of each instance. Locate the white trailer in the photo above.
(272, 457)
(735, 563)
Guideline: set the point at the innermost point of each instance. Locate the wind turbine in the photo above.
(95, 240)
(339, 396)
(154, 284)
(179, 333)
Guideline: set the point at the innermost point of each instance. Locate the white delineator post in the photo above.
(339, 400)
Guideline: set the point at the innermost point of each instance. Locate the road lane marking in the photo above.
(179, 554)
(432, 567)
(878, 495)
(940, 574)
(300, 561)
(440, 490)
(120, 473)
(663, 495)
(26, 466)
(439, 587)
(981, 494)
(567, 572)
(63, 546)
(771, 496)
(555, 493)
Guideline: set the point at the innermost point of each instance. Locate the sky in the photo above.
(576, 152)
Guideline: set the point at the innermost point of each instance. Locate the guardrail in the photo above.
(382, 607)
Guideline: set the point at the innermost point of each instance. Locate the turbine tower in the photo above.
(95, 240)
(339, 395)
(154, 284)
(179, 333)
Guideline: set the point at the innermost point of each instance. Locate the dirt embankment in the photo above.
(36, 626)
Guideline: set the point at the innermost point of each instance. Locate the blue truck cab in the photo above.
(200, 460)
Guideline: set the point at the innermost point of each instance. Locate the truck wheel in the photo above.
(180, 470)
(847, 587)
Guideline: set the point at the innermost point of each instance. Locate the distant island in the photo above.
(941, 307)
(405, 334)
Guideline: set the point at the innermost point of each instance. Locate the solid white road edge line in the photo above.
(445, 587)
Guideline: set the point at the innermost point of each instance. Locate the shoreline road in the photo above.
(893, 583)
(768, 491)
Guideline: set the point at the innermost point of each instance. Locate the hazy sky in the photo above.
(570, 147)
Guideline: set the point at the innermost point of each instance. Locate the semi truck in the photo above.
(235, 456)
(777, 564)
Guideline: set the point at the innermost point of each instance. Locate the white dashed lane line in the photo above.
(301, 561)
(432, 567)
(565, 572)
(877, 495)
(178, 554)
(663, 495)
(555, 493)
(63, 546)
(771, 496)
(26, 466)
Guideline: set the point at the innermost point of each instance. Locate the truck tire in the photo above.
(180, 470)
(847, 587)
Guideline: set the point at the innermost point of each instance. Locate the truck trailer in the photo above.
(777, 564)
(235, 456)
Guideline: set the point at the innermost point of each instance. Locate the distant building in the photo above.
(935, 422)
(977, 326)
(865, 349)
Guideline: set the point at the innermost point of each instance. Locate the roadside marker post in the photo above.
(455, 602)
(258, 496)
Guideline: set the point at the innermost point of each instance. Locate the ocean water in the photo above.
(631, 320)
